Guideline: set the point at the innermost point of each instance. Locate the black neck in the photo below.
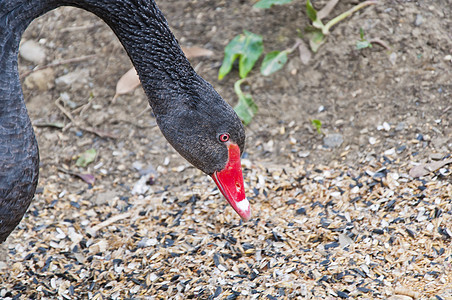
(139, 25)
(155, 53)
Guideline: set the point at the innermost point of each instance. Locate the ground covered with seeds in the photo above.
(317, 232)
(361, 211)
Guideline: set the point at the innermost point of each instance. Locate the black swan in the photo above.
(195, 120)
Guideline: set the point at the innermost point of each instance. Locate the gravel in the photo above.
(317, 231)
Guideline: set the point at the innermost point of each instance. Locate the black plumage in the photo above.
(189, 112)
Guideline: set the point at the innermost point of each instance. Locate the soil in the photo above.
(385, 104)
(352, 92)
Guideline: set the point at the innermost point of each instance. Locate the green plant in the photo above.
(318, 32)
(362, 43)
(248, 47)
(264, 4)
(317, 125)
(245, 108)
(86, 158)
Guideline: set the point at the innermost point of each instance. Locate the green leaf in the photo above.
(245, 108)
(361, 33)
(273, 62)
(247, 47)
(264, 4)
(252, 50)
(317, 125)
(316, 39)
(363, 44)
(310, 11)
(86, 158)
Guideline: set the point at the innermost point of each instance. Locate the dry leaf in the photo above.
(88, 178)
(128, 82)
(193, 52)
(305, 53)
(326, 10)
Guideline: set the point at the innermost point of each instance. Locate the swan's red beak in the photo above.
(230, 183)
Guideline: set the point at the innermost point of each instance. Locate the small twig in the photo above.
(78, 28)
(68, 114)
(143, 112)
(380, 42)
(83, 108)
(65, 111)
(67, 171)
(53, 125)
(295, 46)
(134, 123)
(326, 28)
(58, 63)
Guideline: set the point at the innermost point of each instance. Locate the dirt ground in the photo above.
(391, 107)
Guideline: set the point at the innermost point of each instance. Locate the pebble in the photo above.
(33, 52)
(385, 126)
(268, 147)
(140, 187)
(400, 126)
(166, 161)
(304, 154)
(418, 20)
(70, 78)
(436, 156)
(146, 242)
(41, 80)
(372, 140)
(390, 151)
(333, 140)
(137, 165)
(393, 58)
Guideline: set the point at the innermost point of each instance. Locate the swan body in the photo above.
(196, 121)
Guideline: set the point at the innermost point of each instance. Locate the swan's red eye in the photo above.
(224, 137)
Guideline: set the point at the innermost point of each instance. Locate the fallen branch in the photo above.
(58, 63)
